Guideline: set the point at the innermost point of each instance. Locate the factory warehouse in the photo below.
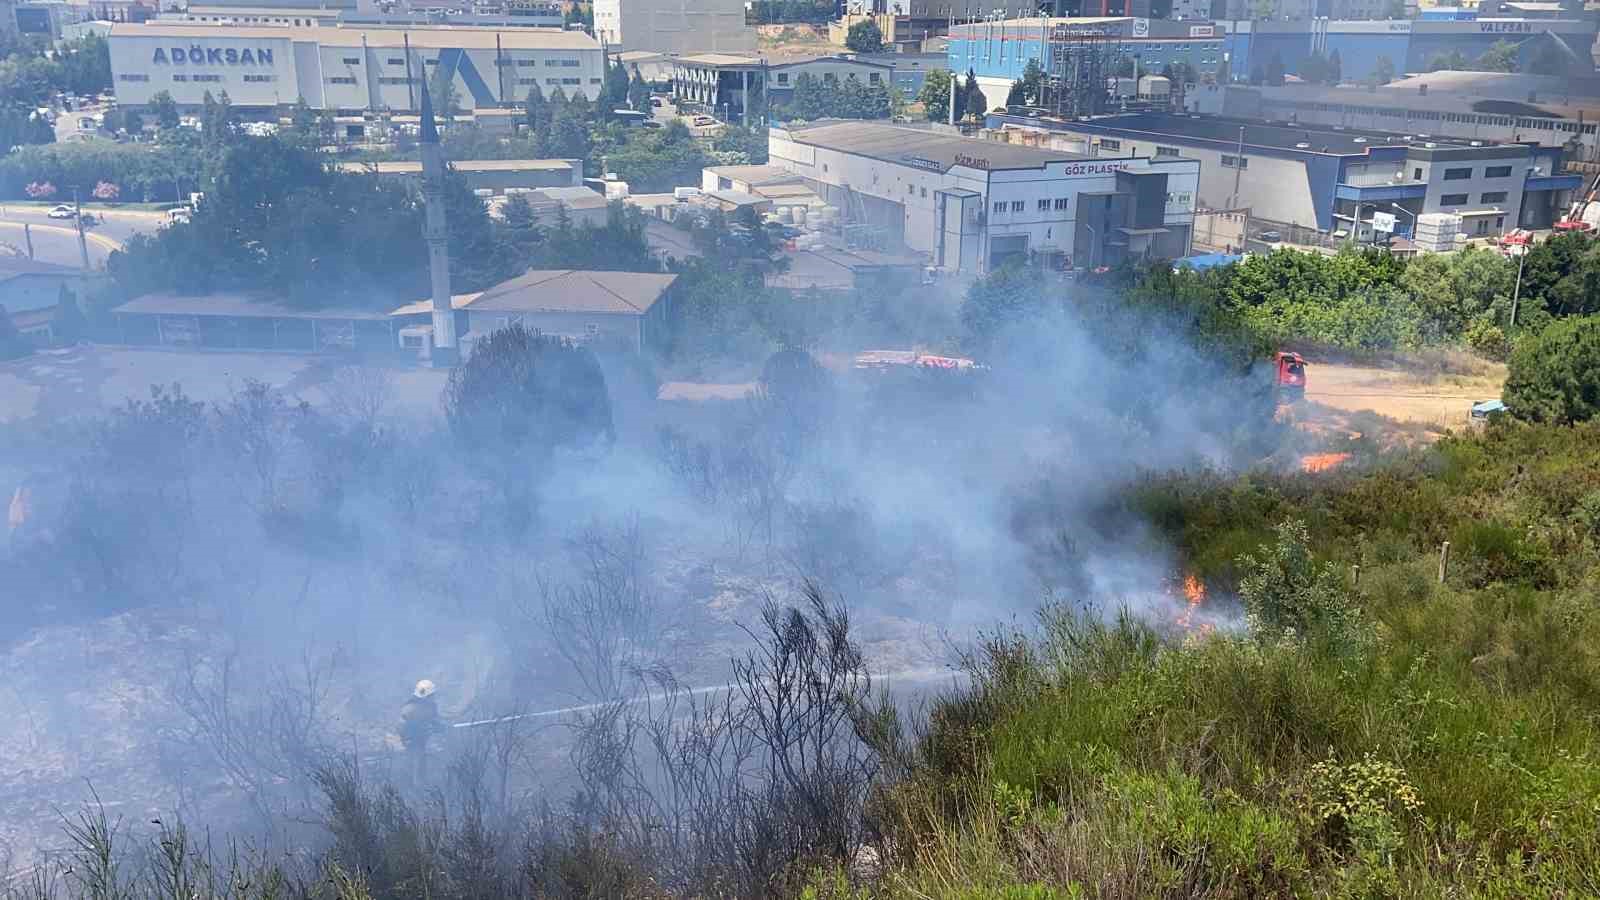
(348, 69)
(970, 203)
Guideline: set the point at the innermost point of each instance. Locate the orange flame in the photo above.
(1322, 462)
(1194, 593)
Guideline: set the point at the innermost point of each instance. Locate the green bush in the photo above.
(1555, 377)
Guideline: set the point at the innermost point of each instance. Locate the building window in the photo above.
(1062, 203)
(999, 207)
(1497, 172)
(342, 80)
(873, 78)
(1453, 200)
(1458, 174)
(132, 77)
(211, 78)
(1492, 197)
(527, 81)
(594, 81)
(260, 78)
(572, 81)
(783, 77)
(924, 193)
(352, 60)
(1018, 206)
(1416, 174)
(1108, 144)
(397, 80)
(552, 81)
(1235, 162)
(396, 61)
(1044, 205)
(430, 62)
(1166, 151)
(527, 63)
(180, 78)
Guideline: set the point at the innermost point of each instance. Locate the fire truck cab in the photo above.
(1290, 377)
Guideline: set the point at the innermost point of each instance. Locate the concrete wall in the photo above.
(336, 77)
(674, 26)
(626, 328)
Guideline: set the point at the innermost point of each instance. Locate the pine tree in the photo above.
(538, 114)
(70, 325)
(638, 92)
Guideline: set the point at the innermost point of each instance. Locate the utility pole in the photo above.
(1516, 292)
(77, 219)
(1238, 168)
(27, 235)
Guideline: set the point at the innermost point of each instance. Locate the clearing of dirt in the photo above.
(1427, 401)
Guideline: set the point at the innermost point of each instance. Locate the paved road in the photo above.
(56, 240)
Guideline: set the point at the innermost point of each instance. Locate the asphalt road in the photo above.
(56, 240)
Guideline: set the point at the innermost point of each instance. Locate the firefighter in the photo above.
(419, 721)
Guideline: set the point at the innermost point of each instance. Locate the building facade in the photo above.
(348, 69)
(968, 204)
(674, 26)
(1334, 181)
(998, 52)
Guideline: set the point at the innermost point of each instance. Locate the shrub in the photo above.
(1286, 593)
(1488, 340)
(1555, 377)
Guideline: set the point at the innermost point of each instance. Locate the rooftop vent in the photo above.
(1430, 145)
(1477, 143)
(1359, 140)
(1302, 145)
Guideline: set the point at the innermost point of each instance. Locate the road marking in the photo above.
(98, 239)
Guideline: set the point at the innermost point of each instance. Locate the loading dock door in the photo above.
(1006, 246)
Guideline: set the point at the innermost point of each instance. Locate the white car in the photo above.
(63, 212)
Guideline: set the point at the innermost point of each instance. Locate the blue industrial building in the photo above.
(997, 52)
(1327, 179)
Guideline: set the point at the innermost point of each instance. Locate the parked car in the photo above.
(63, 211)
(703, 121)
(1271, 237)
(655, 102)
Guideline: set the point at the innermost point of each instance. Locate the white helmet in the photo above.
(424, 689)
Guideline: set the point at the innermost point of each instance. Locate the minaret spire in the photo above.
(437, 235)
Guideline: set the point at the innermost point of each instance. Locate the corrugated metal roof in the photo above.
(570, 290)
(917, 146)
(716, 60)
(413, 167)
(755, 175)
(242, 304)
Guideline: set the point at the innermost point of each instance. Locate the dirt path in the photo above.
(1339, 394)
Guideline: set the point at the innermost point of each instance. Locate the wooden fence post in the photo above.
(1444, 561)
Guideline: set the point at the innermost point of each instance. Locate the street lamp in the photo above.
(1401, 209)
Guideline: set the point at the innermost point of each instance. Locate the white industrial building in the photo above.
(968, 203)
(348, 69)
(674, 26)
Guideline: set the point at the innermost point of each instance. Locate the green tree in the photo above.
(1500, 57)
(976, 103)
(69, 324)
(1561, 277)
(1335, 73)
(1274, 74)
(1555, 376)
(864, 37)
(442, 91)
(165, 110)
(529, 392)
(614, 88)
(1383, 70)
(1452, 61)
(638, 91)
(935, 95)
(85, 65)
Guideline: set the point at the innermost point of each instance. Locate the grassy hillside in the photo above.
(1399, 737)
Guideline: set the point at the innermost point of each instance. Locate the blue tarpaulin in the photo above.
(1208, 260)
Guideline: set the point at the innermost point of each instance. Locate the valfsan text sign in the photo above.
(1506, 27)
(215, 56)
